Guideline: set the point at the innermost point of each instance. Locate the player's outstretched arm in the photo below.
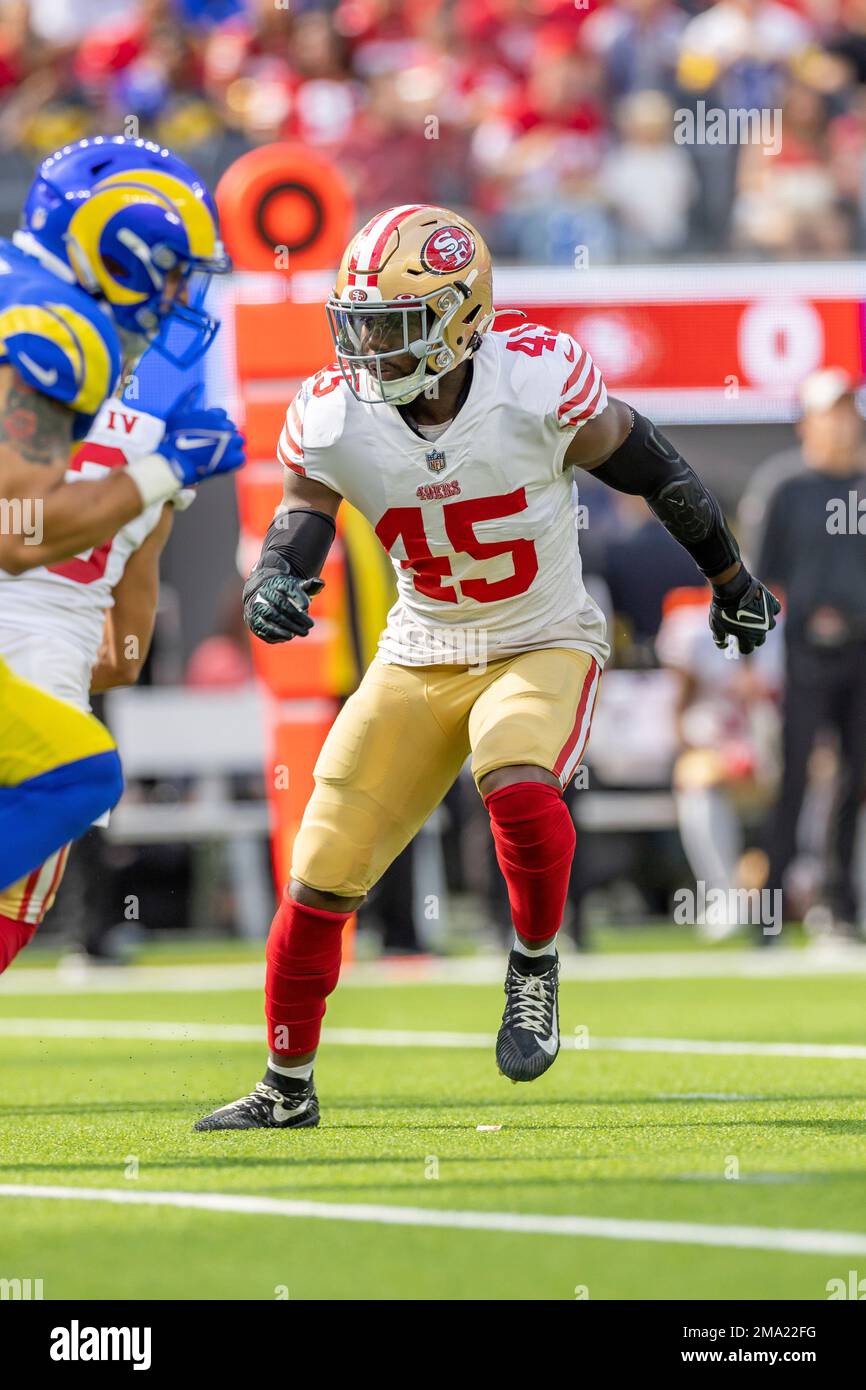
(35, 441)
(45, 519)
(129, 623)
(286, 575)
(627, 452)
(73, 517)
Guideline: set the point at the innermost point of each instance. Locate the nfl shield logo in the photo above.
(435, 460)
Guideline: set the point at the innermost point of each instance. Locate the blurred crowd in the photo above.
(552, 122)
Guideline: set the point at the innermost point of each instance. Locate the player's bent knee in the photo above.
(325, 902)
(328, 866)
(334, 849)
(501, 777)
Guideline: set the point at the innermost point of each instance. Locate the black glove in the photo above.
(743, 608)
(275, 605)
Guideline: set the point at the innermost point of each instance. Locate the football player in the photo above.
(117, 243)
(85, 625)
(459, 444)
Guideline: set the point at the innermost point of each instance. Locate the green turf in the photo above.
(602, 1134)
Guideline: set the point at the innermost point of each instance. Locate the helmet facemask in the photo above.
(186, 329)
(179, 328)
(171, 318)
(368, 334)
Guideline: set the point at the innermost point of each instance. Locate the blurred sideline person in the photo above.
(116, 246)
(827, 430)
(641, 564)
(458, 444)
(814, 548)
(726, 723)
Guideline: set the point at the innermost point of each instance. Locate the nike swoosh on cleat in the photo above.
(281, 1113)
(551, 1044)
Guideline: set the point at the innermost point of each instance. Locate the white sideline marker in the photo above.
(143, 1031)
(829, 959)
(789, 1240)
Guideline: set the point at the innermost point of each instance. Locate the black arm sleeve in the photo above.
(647, 465)
(297, 542)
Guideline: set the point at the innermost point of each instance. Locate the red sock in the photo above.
(303, 966)
(534, 837)
(13, 938)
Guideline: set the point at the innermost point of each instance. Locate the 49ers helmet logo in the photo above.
(447, 250)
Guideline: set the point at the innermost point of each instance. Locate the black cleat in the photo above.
(267, 1108)
(528, 1040)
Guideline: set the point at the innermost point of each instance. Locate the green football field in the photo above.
(701, 1136)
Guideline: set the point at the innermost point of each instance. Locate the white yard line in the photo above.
(777, 963)
(145, 1031)
(787, 1239)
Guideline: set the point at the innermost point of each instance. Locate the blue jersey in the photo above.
(58, 337)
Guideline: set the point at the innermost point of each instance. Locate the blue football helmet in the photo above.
(119, 216)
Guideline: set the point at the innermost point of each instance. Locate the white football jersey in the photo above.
(481, 525)
(52, 618)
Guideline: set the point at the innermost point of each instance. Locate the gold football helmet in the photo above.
(416, 281)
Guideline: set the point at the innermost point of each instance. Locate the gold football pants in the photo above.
(399, 742)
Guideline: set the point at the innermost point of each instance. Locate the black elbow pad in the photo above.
(648, 465)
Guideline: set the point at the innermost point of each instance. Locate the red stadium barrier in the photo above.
(709, 344)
